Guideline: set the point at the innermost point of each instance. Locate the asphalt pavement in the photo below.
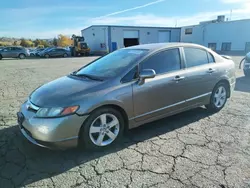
(191, 149)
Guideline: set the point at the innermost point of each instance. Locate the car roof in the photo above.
(158, 46)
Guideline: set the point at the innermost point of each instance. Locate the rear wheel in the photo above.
(218, 98)
(103, 128)
(65, 55)
(46, 55)
(1, 57)
(21, 56)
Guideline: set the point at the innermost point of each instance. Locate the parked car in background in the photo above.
(36, 51)
(55, 52)
(123, 90)
(44, 50)
(14, 52)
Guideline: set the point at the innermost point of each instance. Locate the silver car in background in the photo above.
(125, 89)
(14, 52)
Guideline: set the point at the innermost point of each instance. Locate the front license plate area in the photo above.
(20, 118)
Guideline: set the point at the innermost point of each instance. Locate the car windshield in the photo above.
(112, 64)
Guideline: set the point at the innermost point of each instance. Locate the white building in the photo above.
(103, 39)
(219, 35)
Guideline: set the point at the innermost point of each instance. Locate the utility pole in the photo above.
(231, 12)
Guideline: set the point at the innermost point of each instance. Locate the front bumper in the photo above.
(61, 132)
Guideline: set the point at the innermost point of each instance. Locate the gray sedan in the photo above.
(14, 52)
(92, 106)
(55, 52)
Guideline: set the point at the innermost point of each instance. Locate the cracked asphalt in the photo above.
(192, 149)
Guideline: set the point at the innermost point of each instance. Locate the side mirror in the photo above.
(146, 74)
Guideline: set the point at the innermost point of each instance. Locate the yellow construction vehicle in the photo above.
(79, 47)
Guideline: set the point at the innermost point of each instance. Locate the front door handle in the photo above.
(211, 70)
(179, 78)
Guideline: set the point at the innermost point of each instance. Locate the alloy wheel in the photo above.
(104, 129)
(220, 96)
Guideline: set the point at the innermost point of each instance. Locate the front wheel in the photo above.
(103, 128)
(1, 57)
(21, 56)
(65, 55)
(46, 55)
(218, 98)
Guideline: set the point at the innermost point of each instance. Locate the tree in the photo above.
(54, 42)
(26, 43)
(64, 41)
(15, 43)
(39, 42)
(45, 43)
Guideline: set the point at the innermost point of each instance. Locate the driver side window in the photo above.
(163, 62)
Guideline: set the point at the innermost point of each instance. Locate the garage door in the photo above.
(131, 34)
(164, 36)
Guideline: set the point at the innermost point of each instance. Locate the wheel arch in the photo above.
(119, 109)
(22, 54)
(225, 81)
(114, 106)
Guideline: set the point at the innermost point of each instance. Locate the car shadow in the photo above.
(242, 84)
(38, 163)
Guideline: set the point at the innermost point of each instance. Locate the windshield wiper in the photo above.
(91, 77)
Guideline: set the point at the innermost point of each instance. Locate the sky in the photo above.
(49, 18)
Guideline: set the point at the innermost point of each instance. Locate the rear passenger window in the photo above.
(210, 58)
(195, 57)
(163, 62)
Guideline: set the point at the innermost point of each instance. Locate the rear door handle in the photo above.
(211, 70)
(178, 78)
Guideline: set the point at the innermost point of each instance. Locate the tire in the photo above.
(90, 141)
(21, 56)
(65, 55)
(32, 55)
(218, 98)
(1, 57)
(46, 55)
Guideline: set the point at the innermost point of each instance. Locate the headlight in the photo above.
(55, 112)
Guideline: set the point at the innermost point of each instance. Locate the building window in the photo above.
(226, 46)
(189, 31)
(212, 46)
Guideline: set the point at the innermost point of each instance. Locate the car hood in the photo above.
(64, 91)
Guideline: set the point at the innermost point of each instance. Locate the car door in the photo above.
(200, 75)
(164, 93)
(7, 52)
(15, 51)
(61, 52)
(53, 53)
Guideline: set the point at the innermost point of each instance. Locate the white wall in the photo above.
(236, 32)
(146, 35)
(94, 41)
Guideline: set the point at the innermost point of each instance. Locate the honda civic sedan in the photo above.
(93, 106)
